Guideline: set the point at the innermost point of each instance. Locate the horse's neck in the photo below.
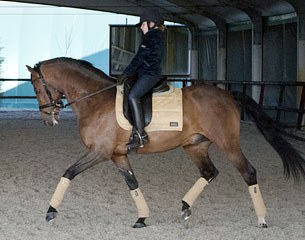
(79, 89)
(79, 85)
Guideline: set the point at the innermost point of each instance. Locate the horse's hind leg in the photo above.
(125, 169)
(199, 155)
(248, 172)
(87, 161)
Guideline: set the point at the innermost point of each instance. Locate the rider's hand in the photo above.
(121, 79)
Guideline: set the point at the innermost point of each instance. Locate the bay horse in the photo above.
(211, 115)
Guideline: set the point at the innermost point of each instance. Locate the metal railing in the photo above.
(15, 80)
(245, 85)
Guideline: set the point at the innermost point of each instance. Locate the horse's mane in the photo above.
(78, 63)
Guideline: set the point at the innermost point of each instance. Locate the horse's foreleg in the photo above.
(125, 169)
(87, 161)
(199, 155)
(248, 172)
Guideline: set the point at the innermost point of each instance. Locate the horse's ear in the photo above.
(31, 70)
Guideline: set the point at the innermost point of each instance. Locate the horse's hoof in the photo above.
(140, 223)
(51, 214)
(262, 223)
(186, 214)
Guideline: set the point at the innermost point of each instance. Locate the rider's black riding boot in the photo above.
(139, 136)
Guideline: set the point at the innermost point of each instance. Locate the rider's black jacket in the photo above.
(147, 60)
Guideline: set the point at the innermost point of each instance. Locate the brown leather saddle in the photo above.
(146, 101)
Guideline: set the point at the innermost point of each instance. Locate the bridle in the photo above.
(58, 104)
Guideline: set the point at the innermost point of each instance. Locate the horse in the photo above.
(210, 115)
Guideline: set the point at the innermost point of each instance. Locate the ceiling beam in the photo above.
(299, 5)
(168, 16)
(192, 7)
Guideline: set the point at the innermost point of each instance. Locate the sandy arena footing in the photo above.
(98, 203)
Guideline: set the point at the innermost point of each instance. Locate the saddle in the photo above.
(146, 101)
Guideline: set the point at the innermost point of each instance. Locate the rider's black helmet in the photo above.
(151, 15)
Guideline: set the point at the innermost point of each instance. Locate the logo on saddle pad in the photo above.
(167, 112)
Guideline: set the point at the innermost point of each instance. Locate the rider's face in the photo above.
(144, 26)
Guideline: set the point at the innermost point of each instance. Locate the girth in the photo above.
(146, 100)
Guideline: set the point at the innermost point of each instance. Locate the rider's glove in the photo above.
(121, 79)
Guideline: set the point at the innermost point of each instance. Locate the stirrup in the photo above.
(137, 140)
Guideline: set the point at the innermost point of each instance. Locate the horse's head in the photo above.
(49, 98)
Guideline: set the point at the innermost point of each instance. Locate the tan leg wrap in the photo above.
(59, 193)
(194, 192)
(143, 210)
(258, 202)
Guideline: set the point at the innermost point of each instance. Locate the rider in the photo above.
(146, 67)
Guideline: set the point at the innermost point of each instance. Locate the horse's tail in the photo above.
(294, 163)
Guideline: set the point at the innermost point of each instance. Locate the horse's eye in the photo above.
(37, 91)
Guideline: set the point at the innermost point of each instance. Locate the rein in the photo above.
(89, 95)
(59, 104)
